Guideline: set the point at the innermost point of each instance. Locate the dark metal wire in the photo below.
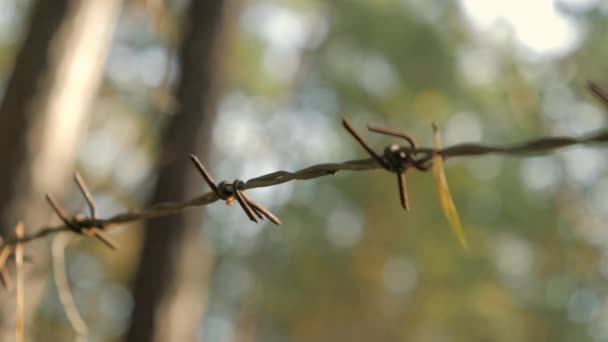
(396, 159)
(226, 190)
(393, 160)
(87, 226)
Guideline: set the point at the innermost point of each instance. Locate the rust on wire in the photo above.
(396, 159)
(94, 231)
(230, 190)
(82, 225)
(206, 176)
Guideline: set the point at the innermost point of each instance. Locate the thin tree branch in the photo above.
(63, 287)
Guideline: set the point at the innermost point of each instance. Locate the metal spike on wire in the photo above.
(87, 226)
(394, 160)
(229, 190)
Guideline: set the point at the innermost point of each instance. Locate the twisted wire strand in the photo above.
(533, 147)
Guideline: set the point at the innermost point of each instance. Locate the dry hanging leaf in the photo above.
(445, 197)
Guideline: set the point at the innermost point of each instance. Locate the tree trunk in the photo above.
(174, 262)
(44, 111)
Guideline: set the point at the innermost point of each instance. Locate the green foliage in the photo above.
(405, 278)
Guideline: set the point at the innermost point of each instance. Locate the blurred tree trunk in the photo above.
(169, 287)
(43, 114)
(44, 111)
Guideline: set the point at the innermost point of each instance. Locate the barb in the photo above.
(93, 227)
(95, 231)
(396, 159)
(206, 176)
(227, 191)
(86, 193)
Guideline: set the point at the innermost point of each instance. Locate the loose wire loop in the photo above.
(235, 189)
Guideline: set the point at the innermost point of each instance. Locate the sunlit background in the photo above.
(348, 264)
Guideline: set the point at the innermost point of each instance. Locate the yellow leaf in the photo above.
(445, 197)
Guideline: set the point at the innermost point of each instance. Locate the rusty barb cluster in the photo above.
(80, 224)
(395, 159)
(229, 190)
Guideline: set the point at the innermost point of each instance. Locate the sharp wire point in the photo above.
(245, 205)
(363, 143)
(59, 211)
(103, 238)
(206, 176)
(271, 217)
(86, 193)
(402, 184)
(253, 205)
(261, 210)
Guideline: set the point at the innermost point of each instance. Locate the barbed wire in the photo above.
(396, 159)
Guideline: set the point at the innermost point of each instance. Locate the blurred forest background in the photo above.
(125, 90)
